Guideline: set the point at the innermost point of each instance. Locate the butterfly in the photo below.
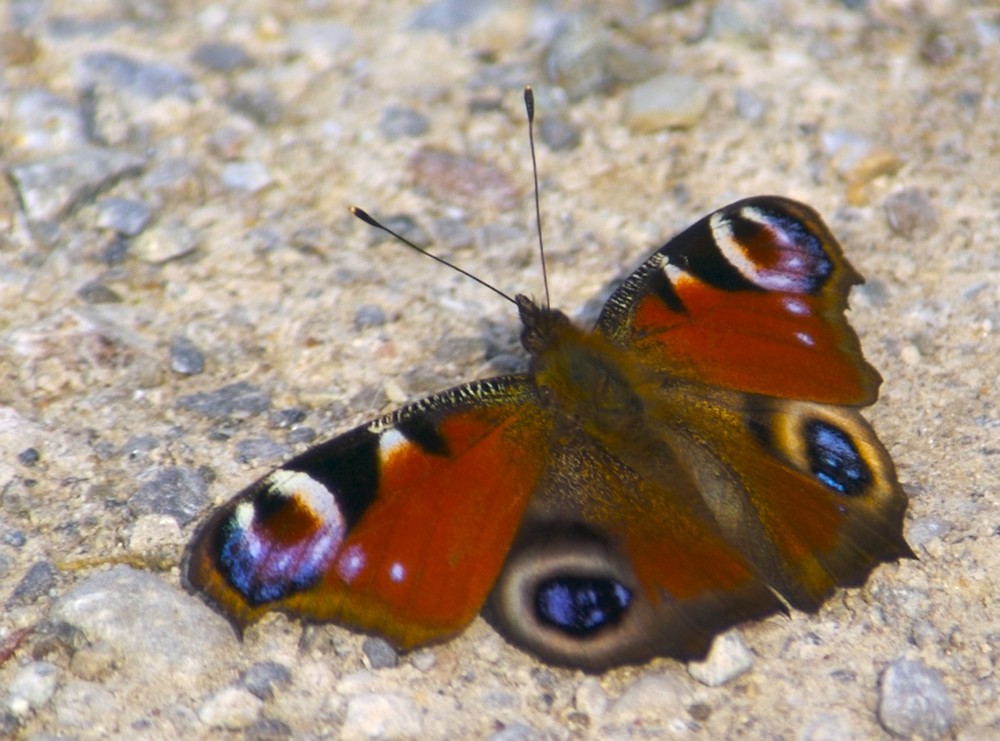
(694, 461)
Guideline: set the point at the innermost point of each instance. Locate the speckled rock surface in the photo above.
(179, 170)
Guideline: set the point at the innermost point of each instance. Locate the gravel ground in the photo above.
(184, 302)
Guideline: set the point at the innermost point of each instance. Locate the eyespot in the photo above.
(581, 605)
(835, 460)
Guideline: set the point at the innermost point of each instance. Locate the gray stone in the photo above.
(558, 134)
(258, 104)
(232, 708)
(728, 659)
(914, 702)
(667, 101)
(221, 56)
(176, 491)
(450, 15)
(165, 242)
(49, 188)
(249, 177)
(185, 357)
(380, 654)
(32, 687)
(237, 398)
(127, 216)
(397, 122)
(162, 635)
(41, 577)
(148, 80)
(44, 122)
(261, 679)
(87, 706)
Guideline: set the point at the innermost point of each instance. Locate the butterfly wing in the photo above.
(749, 298)
(398, 527)
(741, 320)
(619, 560)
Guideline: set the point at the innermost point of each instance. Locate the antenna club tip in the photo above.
(529, 101)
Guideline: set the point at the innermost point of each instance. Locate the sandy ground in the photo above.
(239, 162)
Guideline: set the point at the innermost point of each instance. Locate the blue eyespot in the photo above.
(581, 606)
(834, 459)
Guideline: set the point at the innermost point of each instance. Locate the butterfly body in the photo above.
(645, 485)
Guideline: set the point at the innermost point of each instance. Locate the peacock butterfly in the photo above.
(695, 460)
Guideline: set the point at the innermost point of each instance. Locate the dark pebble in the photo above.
(268, 729)
(14, 537)
(369, 315)
(380, 654)
(558, 134)
(399, 121)
(241, 397)
(150, 80)
(301, 435)
(185, 357)
(221, 56)
(259, 105)
(41, 578)
(287, 417)
(57, 637)
(175, 491)
(262, 679)
(28, 457)
(260, 448)
(96, 292)
(127, 216)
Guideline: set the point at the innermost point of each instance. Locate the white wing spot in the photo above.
(795, 306)
(805, 338)
(397, 572)
(350, 563)
(390, 442)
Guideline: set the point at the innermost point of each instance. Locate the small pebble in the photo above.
(126, 216)
(910, 213)
(749, 105)
(381, 715)
(728, 658)
(51, 187)
(96, 292)
(242, 398)
(423, 660)
(667, 101)
(380, 654)
(649, 699)
(454, 178)
(32, 687)
(260, 448)
(397, 122)
(261, 679)
(368, 315)
(268, 729)
(220, 56)
(259, 104)
(914, 702)
(249, 177)
(28, 457)
(154, 535)
(174, 490)
(124, 74)
(44, 122)
(165, 242)
(41, 577)
(282, 419)
(450, 15)
(232, 708)
(185, 357)
(558, 134)
(14, 537)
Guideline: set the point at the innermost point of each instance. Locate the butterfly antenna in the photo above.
(371, 221)
(529, 106)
